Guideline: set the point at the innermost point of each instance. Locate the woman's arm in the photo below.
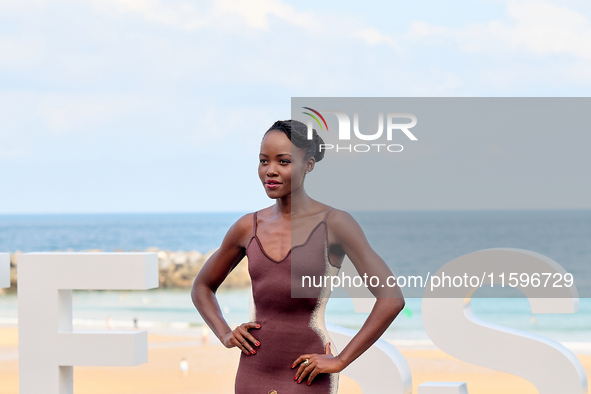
(390, 301)
(210, 277)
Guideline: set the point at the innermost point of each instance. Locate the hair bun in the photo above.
(319, 154)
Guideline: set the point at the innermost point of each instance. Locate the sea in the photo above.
(409, 242)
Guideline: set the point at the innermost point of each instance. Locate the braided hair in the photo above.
(297, 132)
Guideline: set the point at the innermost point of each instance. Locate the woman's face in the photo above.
(281, 165)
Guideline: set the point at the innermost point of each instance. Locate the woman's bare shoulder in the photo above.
(242, 230)
(343, 225)
(244, 223)
(240, 233)
(338, 217)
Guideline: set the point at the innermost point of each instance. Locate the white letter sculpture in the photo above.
(4, 270)
(455, 329)
(48, 346)
(381, 369)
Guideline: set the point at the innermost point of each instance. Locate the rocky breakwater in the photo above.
(176, 269)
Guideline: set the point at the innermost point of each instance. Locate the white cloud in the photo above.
(22, 5)
(216, 124)
(224, 14)
(546, 28)
(181, 15)
(26, 115)
(64, 113)
(438, 83)
(20, 51)
(173, 81)
(256, 13)
(12, 153)
(424, 29)
(374, 37)
(535, 26)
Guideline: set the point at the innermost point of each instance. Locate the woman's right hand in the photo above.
(241, 338)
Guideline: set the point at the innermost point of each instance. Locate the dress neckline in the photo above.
(255, 236)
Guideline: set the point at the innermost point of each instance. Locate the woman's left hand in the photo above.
(318, 363)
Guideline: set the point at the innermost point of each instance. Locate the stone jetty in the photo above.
(177, 269)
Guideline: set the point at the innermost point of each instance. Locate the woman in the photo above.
(286, 343)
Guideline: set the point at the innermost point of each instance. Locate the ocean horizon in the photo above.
(409, 241)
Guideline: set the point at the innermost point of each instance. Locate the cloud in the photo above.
(12, 153)
(230, 51)
(65, 113)
(545, 28)
(22, 5)
(181, 15)
(225, 14)
(256, 13)
(217, 124)
(186, 82)
(20, 51)
(374, 37)
(534, 26)
(24, 116)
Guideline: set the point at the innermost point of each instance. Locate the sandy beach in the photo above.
(212, 368)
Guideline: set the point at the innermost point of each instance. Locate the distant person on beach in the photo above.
(205, 334)
(286, 335)
(184, 365)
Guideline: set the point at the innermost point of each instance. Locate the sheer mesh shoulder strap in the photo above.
(326, 216)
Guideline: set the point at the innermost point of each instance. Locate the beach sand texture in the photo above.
(212, 368)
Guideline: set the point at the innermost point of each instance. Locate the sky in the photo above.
(160, 106)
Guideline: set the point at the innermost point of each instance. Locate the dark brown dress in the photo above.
(290, 326)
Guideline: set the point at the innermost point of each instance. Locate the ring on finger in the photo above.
(307, 362)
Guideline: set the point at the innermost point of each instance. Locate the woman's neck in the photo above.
(294, 203)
